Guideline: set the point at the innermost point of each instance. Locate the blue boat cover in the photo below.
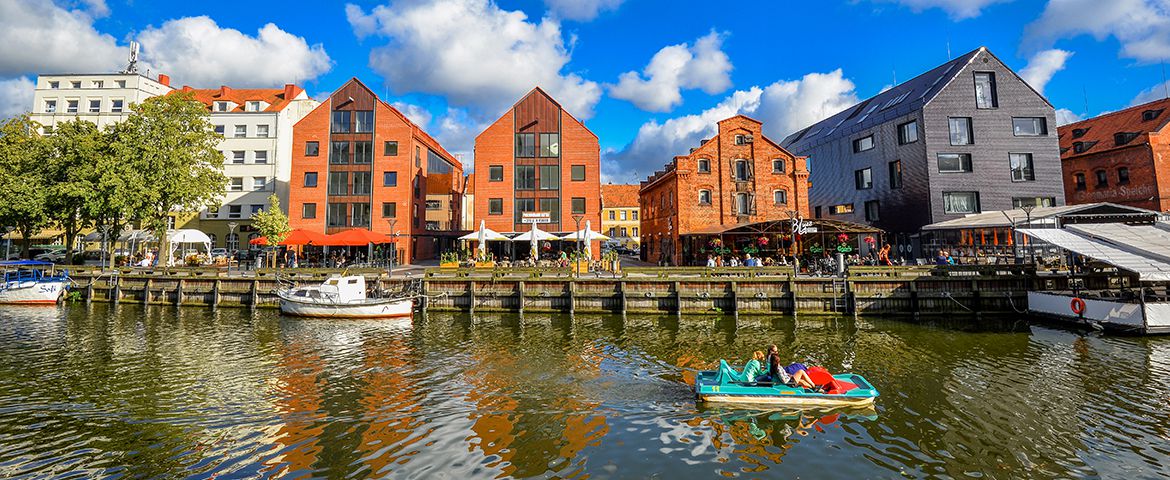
(25, 263)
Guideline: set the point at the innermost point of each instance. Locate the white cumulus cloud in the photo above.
(16, 96)
(473, 53)
(581, 10)
(1042, 66)
(41, 37)
(1142, 27)
(676, 67)
(419, 115)
(784, 106)
(197, 51)
(1156, 92)
(1065, 116)
(956, 9)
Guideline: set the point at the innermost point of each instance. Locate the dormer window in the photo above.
(1079, 132)
(1150, 115)
(223, 106)
(1122, 138)
(254, 106)
(1082, 147)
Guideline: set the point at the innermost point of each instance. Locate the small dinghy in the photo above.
(724, 386)
(342, 297)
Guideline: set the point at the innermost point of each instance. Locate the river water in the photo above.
(105, 391)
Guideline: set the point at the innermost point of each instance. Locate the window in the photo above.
(496, 173)
(525, 177)
(842, 209)
(236, 185)
(260, 156)
(95, 106)
(703, 166)
(262, 131)
(363, 152)
(960, 202)
(50, 106)
(256, 208)
(552, 206)
(743, 170)
(99, 84)
(361, 214)
(362, 183)
(389, 209)
(780, 197)
(1082, 147)
(119, 83)
(1122, 138)
(71, 106)
(862, 144)
(908, 132)
(1102, 179)
(341, 122)
(363, 121)
(238, 156)
(390, 149)
(954, 162)
(339, 153)
(577, 172)
(704, 197)
(258, 183)
(218, 130)
(624, 232)
(1029, 126)
(1123, 175)
(743, 204)
(895, 170)
(871, 211)
(550, 144)
(54, 85)
(1079, 132)
(1150, 115)
(635, 232)
(985, 95)
(817, 211)
(389, 179)
(863, 179)
(339, 183)
(117, 105)
(1021, 165)
(633, 215)
(778, 165)
(550, 177)
(961, 131)
(309, 210)
(335, 216)
(624, 216)
(222, 106)
(76, 84)
(417, 158)
(1079, 180)
(612, 215)
(578, 204)
(312, 149)
(235, 211)
(252, 106)
(241, 131)
(495, 206)
(310, 179)
(1021, 202)
(525, 145)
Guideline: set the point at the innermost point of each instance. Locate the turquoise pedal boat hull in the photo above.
(709, 389)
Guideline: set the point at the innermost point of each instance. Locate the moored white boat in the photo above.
(342, 297)
(26, 283)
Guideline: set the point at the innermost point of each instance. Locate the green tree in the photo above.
(171, 146)
(75, 152)
(22, 180)
(272, 223)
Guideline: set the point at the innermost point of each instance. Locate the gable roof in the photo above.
(274, 97)
(613, 195)
(1097, 133)
(541, 91)
(899, 100)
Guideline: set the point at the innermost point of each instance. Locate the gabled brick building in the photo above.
(1121, 157)
(620, 219)
(738, 177)
(358, 162)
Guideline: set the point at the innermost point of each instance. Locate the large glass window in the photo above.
(863, 179)
(362, 182)
(341, 122)
(1021, 165)
(908, 132)
(524, 205)
(961, 202)
(985, 95)
(1029, 126)
(496, 173)
(895, 171)
(954, 162)
(363, 121)
(550, 177)
(1020, 202)
(525, 177)
(525, 144)
(361, 214)
(552, 206)
(862, 144)
(550, 144)
(961, 131)
(339, 153)
(335, 215)
(339, 183)
(363, 152)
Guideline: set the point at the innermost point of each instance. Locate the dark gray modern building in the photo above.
(966, 137)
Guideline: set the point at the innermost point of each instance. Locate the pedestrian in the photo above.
(710, 261)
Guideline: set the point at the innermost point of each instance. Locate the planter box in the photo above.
(485, 264)
(581, 266)
(449, 265)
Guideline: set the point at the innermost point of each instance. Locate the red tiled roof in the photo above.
(1097, 134)
(275, 97)
(619, 196)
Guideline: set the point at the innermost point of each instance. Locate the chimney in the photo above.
(225, 90)
(290, 91)
(164, 79)
(187, 88)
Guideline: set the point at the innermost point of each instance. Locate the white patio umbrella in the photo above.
(586, 235)
(483, 235)
(534, 236)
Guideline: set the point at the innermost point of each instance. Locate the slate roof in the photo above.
(899, 100)
(613, 196)
(1098, 133)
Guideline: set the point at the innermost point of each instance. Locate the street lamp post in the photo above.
(1028, 223)
(577, 218)
(393, 245)
(232, 236)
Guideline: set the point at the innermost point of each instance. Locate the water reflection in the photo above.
(163, 392)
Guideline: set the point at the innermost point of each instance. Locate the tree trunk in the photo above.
(26, 241)
(70, 237)
(164, 245)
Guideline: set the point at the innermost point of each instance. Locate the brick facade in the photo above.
(740, 175)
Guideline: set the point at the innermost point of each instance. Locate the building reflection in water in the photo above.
(299, 404)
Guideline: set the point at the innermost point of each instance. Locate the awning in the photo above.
(355, 237)
(823, 225)
(1150, 266)
(297, 236)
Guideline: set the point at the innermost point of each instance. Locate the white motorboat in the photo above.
(342, 297)
(31, 282)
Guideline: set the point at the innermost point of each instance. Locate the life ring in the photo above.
(1078, 306)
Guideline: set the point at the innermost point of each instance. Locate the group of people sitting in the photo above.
(793, 374)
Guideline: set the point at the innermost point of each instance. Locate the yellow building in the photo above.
(620, 213)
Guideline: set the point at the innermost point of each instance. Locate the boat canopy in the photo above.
(26, 263)
(1142, 249)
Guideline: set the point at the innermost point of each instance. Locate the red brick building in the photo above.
(1121, 157)
(537, 158)
(738, 177)
(360, 163)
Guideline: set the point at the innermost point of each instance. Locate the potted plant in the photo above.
(449, 260)
(580, 262)
(488, 261)
(611, 259)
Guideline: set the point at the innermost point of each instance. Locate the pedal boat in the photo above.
(714, 387)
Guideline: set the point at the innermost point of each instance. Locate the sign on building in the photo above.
(535, 217)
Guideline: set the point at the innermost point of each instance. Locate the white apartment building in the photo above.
(257, 146)
(101, 98)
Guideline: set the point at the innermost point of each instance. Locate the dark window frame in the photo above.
(994, 97)
(902, 135)
(390, 178)
(495, 206)
(970, 130)
(525, 149)
(1027, 174)
(1123, 175)
(524, 177)
(312, 149)
(493, 170)
(857, 144)
(390, 148)
(305, 181)
(308, 210)
(573, 170)
(573, 203)
(1043, 126)
(894, 170)
(969, 163)
(859, 180)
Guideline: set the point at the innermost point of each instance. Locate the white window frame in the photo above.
(259, 184)
(236, 185)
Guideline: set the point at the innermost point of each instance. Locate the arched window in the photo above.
(213, 239)
(703, 165)
(704, 197)
(1102, 179)
(233, 242)
(1080, 181)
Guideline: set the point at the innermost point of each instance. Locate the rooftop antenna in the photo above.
(1165, 87)
(895, 76)
(949, 50)
(132, 67)
(1085, 92)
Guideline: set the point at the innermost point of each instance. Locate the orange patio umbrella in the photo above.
(298, 236)
(354, 237)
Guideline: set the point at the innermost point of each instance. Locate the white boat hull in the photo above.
(32, 293)
(394, 308)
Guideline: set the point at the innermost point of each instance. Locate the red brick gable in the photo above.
(1098, 132)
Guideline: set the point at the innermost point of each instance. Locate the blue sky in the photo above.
(649, 77)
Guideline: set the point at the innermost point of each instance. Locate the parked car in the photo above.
(219, 252)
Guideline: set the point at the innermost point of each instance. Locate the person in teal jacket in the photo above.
(751, 371)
